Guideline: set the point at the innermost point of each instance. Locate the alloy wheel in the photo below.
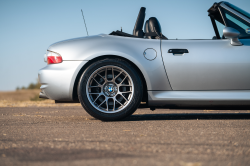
(110, 89)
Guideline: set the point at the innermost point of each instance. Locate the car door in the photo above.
(208, 65)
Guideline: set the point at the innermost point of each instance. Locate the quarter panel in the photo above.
(126, 47)
(58, 79)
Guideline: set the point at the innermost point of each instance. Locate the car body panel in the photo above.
(213, 72)
(58, 79)
(198, 98)
(209, 65)
(88, 48)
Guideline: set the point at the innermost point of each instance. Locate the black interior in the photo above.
(146, 30)
(139, 23)
(152, 28)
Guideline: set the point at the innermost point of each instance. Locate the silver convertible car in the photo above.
(111, 75)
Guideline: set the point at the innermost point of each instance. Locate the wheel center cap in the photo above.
(110, 89)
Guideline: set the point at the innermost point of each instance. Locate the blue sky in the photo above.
(28, 27)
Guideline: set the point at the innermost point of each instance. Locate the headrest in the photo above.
(154, 25)
(152, 29)
(139, 23)
(146, 30)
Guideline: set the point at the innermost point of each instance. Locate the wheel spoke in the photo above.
(123, 80)
(124, 97)
(101, 103)
(118, 75)
(97, 98)
(101, 76)
(114, 104)
(127, 92)
(97, 81)
(107, 103)
(119, 102)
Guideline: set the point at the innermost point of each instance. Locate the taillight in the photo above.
(53, 57)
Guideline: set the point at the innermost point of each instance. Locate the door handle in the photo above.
(178, 51)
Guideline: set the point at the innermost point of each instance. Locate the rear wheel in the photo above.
(110, 89)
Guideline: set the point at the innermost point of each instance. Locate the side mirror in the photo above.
(232, 34)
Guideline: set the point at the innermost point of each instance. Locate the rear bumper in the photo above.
(43, 96)
(58, 80)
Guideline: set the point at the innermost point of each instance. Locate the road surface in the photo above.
(175, 137)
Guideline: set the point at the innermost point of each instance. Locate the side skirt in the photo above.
(198, 98)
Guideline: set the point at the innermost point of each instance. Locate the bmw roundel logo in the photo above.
(110, 89)
(248, 30)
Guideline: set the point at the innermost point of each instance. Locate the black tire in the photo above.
(134, 101)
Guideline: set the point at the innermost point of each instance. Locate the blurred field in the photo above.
(19, 95)
(27, 98)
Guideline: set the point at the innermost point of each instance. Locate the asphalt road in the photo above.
(174, 137)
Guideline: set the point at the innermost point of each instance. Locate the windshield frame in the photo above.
(237, 9)
(218, 13)
(235, 12)
(238, 16)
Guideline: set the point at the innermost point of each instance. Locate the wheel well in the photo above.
(145, 92)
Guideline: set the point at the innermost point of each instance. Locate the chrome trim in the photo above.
(222, 16)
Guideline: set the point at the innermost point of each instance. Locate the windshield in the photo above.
(220, 27)
(243, 12)
(238, 23)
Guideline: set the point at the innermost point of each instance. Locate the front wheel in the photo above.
(110, 89)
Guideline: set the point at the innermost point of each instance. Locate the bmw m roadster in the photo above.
(111, 75)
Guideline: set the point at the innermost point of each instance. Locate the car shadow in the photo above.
(188, 116)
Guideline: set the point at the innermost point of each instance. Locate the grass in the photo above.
(36, 98)
(27, 98)
(19, 95)
(43, 103)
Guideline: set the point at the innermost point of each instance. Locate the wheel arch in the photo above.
(74, 93)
